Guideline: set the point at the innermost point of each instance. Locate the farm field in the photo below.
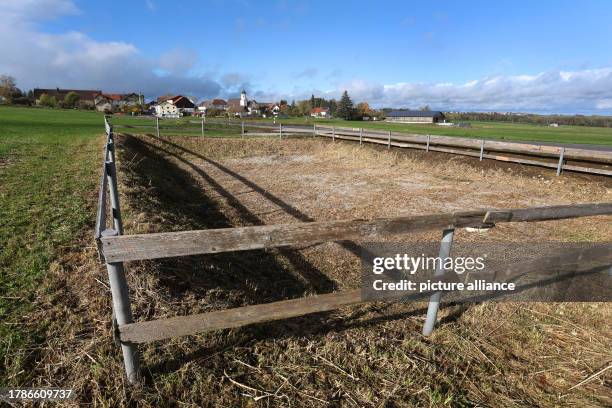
(487, 130)
(57, 306)
(575, 135)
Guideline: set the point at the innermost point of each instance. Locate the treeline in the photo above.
(344, 108)
(11, 95)
(532, 119)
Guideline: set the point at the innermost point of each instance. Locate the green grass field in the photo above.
(488, 130)
(47, 185)
(51, 334)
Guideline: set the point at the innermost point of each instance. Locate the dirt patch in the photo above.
(487, 354)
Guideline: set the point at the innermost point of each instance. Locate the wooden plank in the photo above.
(163, 245)
(370, 139)
(596, 156)
(144, 332)
(171, 244)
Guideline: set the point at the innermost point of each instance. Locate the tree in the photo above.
(345, 107)
(333, 107)
(424, 108)
(71, 100)
(49, 101)
(363, 109)
(8, 89)
(304, 108)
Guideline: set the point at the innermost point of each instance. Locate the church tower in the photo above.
(243, 99)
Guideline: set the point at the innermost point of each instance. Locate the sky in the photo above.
(523, 56)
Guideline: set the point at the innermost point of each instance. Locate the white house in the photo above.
(167, 109)
(319, 112)
(174, 107)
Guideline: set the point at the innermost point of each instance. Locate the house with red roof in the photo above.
(174, 107)
(319, 112)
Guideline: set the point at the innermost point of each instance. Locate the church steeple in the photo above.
(243, 99)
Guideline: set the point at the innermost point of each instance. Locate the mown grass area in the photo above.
(47, 182)
(487, 130)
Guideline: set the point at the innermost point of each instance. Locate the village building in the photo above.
(217, 104)
(116, 102)
(414, 116)
(87, 97)
(244, 107)
(320, 112)
(174, 107)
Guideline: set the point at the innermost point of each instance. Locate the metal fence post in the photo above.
(314, 130)
(481, 149)
(560, 165)
(389, 144)
(280, 130)
(427, 147)
(333, 133)
(202, 126)
(242, 129)
(434, 300)
(122, 312)
(157, 125)
(111, 170)
(360, 135)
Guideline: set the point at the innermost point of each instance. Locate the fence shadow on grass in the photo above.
(183, 199)
(177, 196)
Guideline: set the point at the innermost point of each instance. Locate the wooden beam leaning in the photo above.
(154, 330)
(144, 332)
(171, 244)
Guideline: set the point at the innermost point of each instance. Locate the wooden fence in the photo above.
(554, 157)
(117, 248)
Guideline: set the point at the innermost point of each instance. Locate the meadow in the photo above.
(55, 306)
(486, 130)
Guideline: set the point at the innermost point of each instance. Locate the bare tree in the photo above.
(7, 87)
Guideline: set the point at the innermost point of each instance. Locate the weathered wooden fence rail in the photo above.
(117, 248)
(554, 157)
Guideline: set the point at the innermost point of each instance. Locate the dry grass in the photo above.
(490, 354)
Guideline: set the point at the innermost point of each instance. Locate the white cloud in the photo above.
(151, 5)
(554, 91)
(75, 60)
(178, 60)
(307, 73)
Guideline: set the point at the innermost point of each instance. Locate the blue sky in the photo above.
(544, 56)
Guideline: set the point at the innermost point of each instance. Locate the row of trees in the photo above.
(10, 94)
(533, 119)
(344, 108)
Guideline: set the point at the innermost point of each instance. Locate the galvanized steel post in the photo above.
(560, 165)
(434, 300)
(481, 149)
(360, 135)
(202, 126)
(389, 143)
(157, 125)
(242, 129)
(333, 133)
(427, 147)
(122, 312)
(314, 130)
(280, 130)
(111, 171)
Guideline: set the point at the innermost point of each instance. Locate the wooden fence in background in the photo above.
(117, 248)
(554, 157)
